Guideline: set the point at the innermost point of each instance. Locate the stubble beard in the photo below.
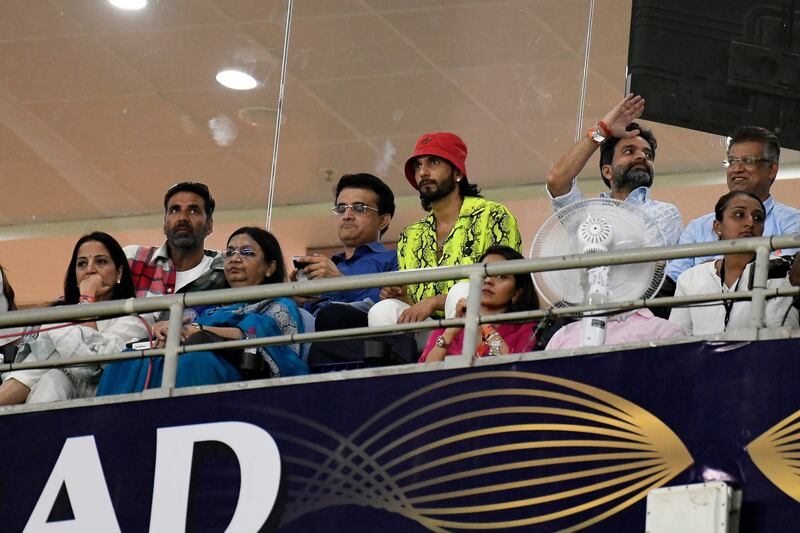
(186, 241)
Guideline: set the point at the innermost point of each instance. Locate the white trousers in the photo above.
(386, 312)
(53, 386)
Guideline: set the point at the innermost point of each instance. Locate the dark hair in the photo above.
(200, 189)
(772, 146)
(725, 199)
(123, 289)
(465, 188)
(370, 183)
(527, 298)
(8, 290)
(271, 248)
(607, 148)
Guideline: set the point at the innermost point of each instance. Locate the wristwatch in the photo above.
(596, 134)
(441, 342)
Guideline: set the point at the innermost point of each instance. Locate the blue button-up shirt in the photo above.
(781, 220)
(366, 259)
(665, 215)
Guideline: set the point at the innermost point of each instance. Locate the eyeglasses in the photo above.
(245, 252)
(748, 161)
(341, 209)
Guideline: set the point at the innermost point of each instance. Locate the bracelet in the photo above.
(84, 299)
(197, 327)
(492, 340)
(441, 342)
(487, 330)
(604, 129)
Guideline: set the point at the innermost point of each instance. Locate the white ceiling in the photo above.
(102, 109)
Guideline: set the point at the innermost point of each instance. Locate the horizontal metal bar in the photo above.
(298, 338)
(302, 288)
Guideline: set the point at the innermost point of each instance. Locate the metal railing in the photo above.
(472, 320)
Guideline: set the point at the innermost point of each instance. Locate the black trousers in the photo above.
(338, 316)
(386, 350)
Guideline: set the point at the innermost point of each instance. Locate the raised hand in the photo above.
(629, 109)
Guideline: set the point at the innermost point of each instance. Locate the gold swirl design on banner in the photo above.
(488, 450)
(777, 454)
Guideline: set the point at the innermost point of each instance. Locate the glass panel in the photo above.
(688, 166)
(366, 78)
(102, 109)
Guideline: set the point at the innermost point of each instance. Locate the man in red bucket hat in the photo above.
(460, 226)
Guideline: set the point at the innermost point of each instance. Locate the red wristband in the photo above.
(604, 129)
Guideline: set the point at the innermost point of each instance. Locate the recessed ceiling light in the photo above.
(129, 4)
(236, 79)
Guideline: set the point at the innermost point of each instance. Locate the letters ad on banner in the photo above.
(563, 444)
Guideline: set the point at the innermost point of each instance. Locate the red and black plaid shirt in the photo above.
(153, 271)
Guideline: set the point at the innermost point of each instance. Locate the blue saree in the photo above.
(266, 318)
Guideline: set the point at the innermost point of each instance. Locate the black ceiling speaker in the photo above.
(713, 65)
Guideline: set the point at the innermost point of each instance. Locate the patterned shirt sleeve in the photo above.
(502, 228)
(669, 218)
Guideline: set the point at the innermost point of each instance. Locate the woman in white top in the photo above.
(98, 271)
(738, 215)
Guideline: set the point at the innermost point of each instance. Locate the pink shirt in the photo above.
(518, 337)
(640, 326)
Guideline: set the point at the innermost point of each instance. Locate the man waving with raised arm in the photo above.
(627, 152)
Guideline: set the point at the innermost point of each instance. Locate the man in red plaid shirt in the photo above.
(181, 264)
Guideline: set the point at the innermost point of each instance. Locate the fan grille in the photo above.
(580, 228)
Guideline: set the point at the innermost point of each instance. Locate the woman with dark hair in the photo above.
(500, 294)
(7, 299)
(98, 271)
(8, 338)
(253, 257)
(738, 215)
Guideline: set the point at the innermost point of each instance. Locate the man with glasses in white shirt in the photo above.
(752, 164)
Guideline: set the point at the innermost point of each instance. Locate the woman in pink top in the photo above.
(500, 294)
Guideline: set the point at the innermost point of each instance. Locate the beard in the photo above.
(627, 178)
(437, 192)
(185, 237)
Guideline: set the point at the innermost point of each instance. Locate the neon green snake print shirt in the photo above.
(480, 224)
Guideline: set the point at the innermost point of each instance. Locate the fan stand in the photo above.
(593, 328)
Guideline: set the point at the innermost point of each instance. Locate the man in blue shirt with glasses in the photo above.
(752, 164)
(363, 208)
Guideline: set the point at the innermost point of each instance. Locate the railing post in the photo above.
(471, 318)
(759, 288)
(171, 348)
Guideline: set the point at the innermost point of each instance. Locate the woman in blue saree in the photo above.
(253, 257)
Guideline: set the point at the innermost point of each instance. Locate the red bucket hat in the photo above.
(442, 144)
